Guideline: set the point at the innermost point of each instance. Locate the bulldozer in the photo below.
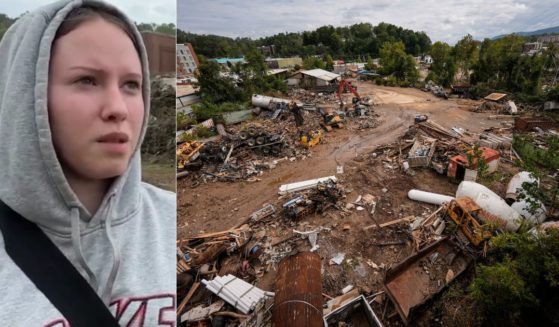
(188, 151)
(311, 138)
(476, 224)
(331, 119)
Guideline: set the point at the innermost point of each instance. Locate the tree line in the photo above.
(348, 42)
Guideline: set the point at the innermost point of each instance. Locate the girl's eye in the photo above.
(132, 85)
(87, 80)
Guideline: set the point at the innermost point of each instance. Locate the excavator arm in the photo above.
(344, 83)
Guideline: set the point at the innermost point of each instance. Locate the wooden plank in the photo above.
(183, 303)
(214, 234)
(231, 314)
(408, 218)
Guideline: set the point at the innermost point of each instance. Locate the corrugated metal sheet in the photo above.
(276, 71)
(237, 116)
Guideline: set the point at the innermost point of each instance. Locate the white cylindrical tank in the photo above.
(429, 197)
(491, 202)
(523, 208)
(263, 101)
(515, 183)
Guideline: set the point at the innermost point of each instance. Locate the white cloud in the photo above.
(445, 21)
(153, 11)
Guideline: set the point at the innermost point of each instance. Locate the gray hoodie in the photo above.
(126, 250)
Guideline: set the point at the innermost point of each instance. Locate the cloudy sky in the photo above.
(152, 11)
(442, 20)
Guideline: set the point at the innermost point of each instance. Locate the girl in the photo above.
(74, 106)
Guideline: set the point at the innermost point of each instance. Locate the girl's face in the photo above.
(95, 100)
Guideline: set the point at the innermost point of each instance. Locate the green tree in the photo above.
(542, 162)
(215, 88)
(5, 23)
(254, 76)
(395, 62)
(520, 285)
(503, 66)
(169, 29)
(443, 69)
(146, 27)
(466, 52)
(312, 62)
(329, 62)
(164, 28)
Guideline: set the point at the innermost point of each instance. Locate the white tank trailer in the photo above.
(492, 203)
(263, 101)
(523, 205)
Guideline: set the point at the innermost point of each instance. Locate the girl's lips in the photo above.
(115, 137)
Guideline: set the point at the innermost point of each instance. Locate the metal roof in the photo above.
(321, 74)
(276, 71)
(495, 96)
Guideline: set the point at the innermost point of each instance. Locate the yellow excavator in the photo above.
(311, 138)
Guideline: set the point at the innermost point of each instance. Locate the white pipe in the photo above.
(429, 197)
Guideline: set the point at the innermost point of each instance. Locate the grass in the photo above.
(159, 172)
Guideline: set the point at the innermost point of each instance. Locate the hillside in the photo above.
(549, 30)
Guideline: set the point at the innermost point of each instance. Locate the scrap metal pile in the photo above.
(285, 130)
(209, 263)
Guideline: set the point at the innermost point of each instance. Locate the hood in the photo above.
(31, 178)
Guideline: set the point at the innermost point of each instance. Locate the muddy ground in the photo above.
(218, 206)
(368, 169)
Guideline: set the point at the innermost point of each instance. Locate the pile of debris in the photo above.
(437, 90)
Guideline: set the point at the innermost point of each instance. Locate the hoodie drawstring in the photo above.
(77, 246)
(106, 290)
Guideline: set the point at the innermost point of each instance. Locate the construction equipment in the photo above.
(360, 105)
(331, 119)
(323, 197)
(297, 114)
(475, 223)
(298, 207)
(188, 151)
(261, 140)
(311, 138)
